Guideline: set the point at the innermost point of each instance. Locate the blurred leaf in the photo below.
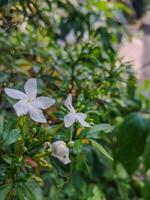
(97, 131)
(77, 147)
(100, 149)
(132, 135)
(29, 191)
(146, 155)
(4, 76)
(97, 194)
(4, 190)
(146, 190)
(7, 158)
(12, 137)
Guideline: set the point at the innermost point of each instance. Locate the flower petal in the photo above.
(69, 119)
(31, 88)
(15, 94)
(61, 151)
(43, 102)
(37, 115)
(21, 107)
(81, 118)
(65, 160)
(68, 103)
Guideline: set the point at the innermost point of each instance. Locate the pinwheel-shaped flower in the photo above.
(61, 151)
(73, 116)
(29, 103)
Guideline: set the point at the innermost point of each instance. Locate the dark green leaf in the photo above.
(147, 153)
(132, 135)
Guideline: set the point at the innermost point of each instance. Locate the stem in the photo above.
(71, 132)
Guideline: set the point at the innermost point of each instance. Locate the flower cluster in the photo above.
(30, 103)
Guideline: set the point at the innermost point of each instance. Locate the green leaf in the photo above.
(23, 192)
(77, 147)
(146, 190)
(97, 194)
(29, 191)
(99, 130)
(35, 190)
(4, 190)
(131, 136)
(6, 158)
(146, 155)
(12, 137)
(100, 149)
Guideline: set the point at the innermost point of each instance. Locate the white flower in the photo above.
(61, 151)
(73, 116)
(29, 103)
(71, 37)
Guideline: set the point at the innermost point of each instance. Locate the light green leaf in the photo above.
(12, 137)
(96, 131)
(4, 190)
(77, 147)
(100, 149)
(97, 194)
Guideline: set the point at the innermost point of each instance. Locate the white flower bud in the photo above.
(61, 151)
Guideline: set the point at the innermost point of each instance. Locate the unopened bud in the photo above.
(70, 143)
(34, 130)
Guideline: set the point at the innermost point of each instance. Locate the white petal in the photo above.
(81, 118)
(21, 107)
(43, 102)
(31, 88)
(68, 103)
(37, 115)
(65, 160)
(69, 119)
(61, 151)
(15, 94)
(71, 37)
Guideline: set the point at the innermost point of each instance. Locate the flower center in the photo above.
(29, 100)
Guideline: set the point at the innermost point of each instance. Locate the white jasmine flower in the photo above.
(71, 37)
(29, 103)
(73, 116)
(61, 151)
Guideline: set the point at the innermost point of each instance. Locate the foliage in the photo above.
(71, 47)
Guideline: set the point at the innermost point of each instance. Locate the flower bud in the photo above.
(70, 143)
(61, 151)
(34, 130)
